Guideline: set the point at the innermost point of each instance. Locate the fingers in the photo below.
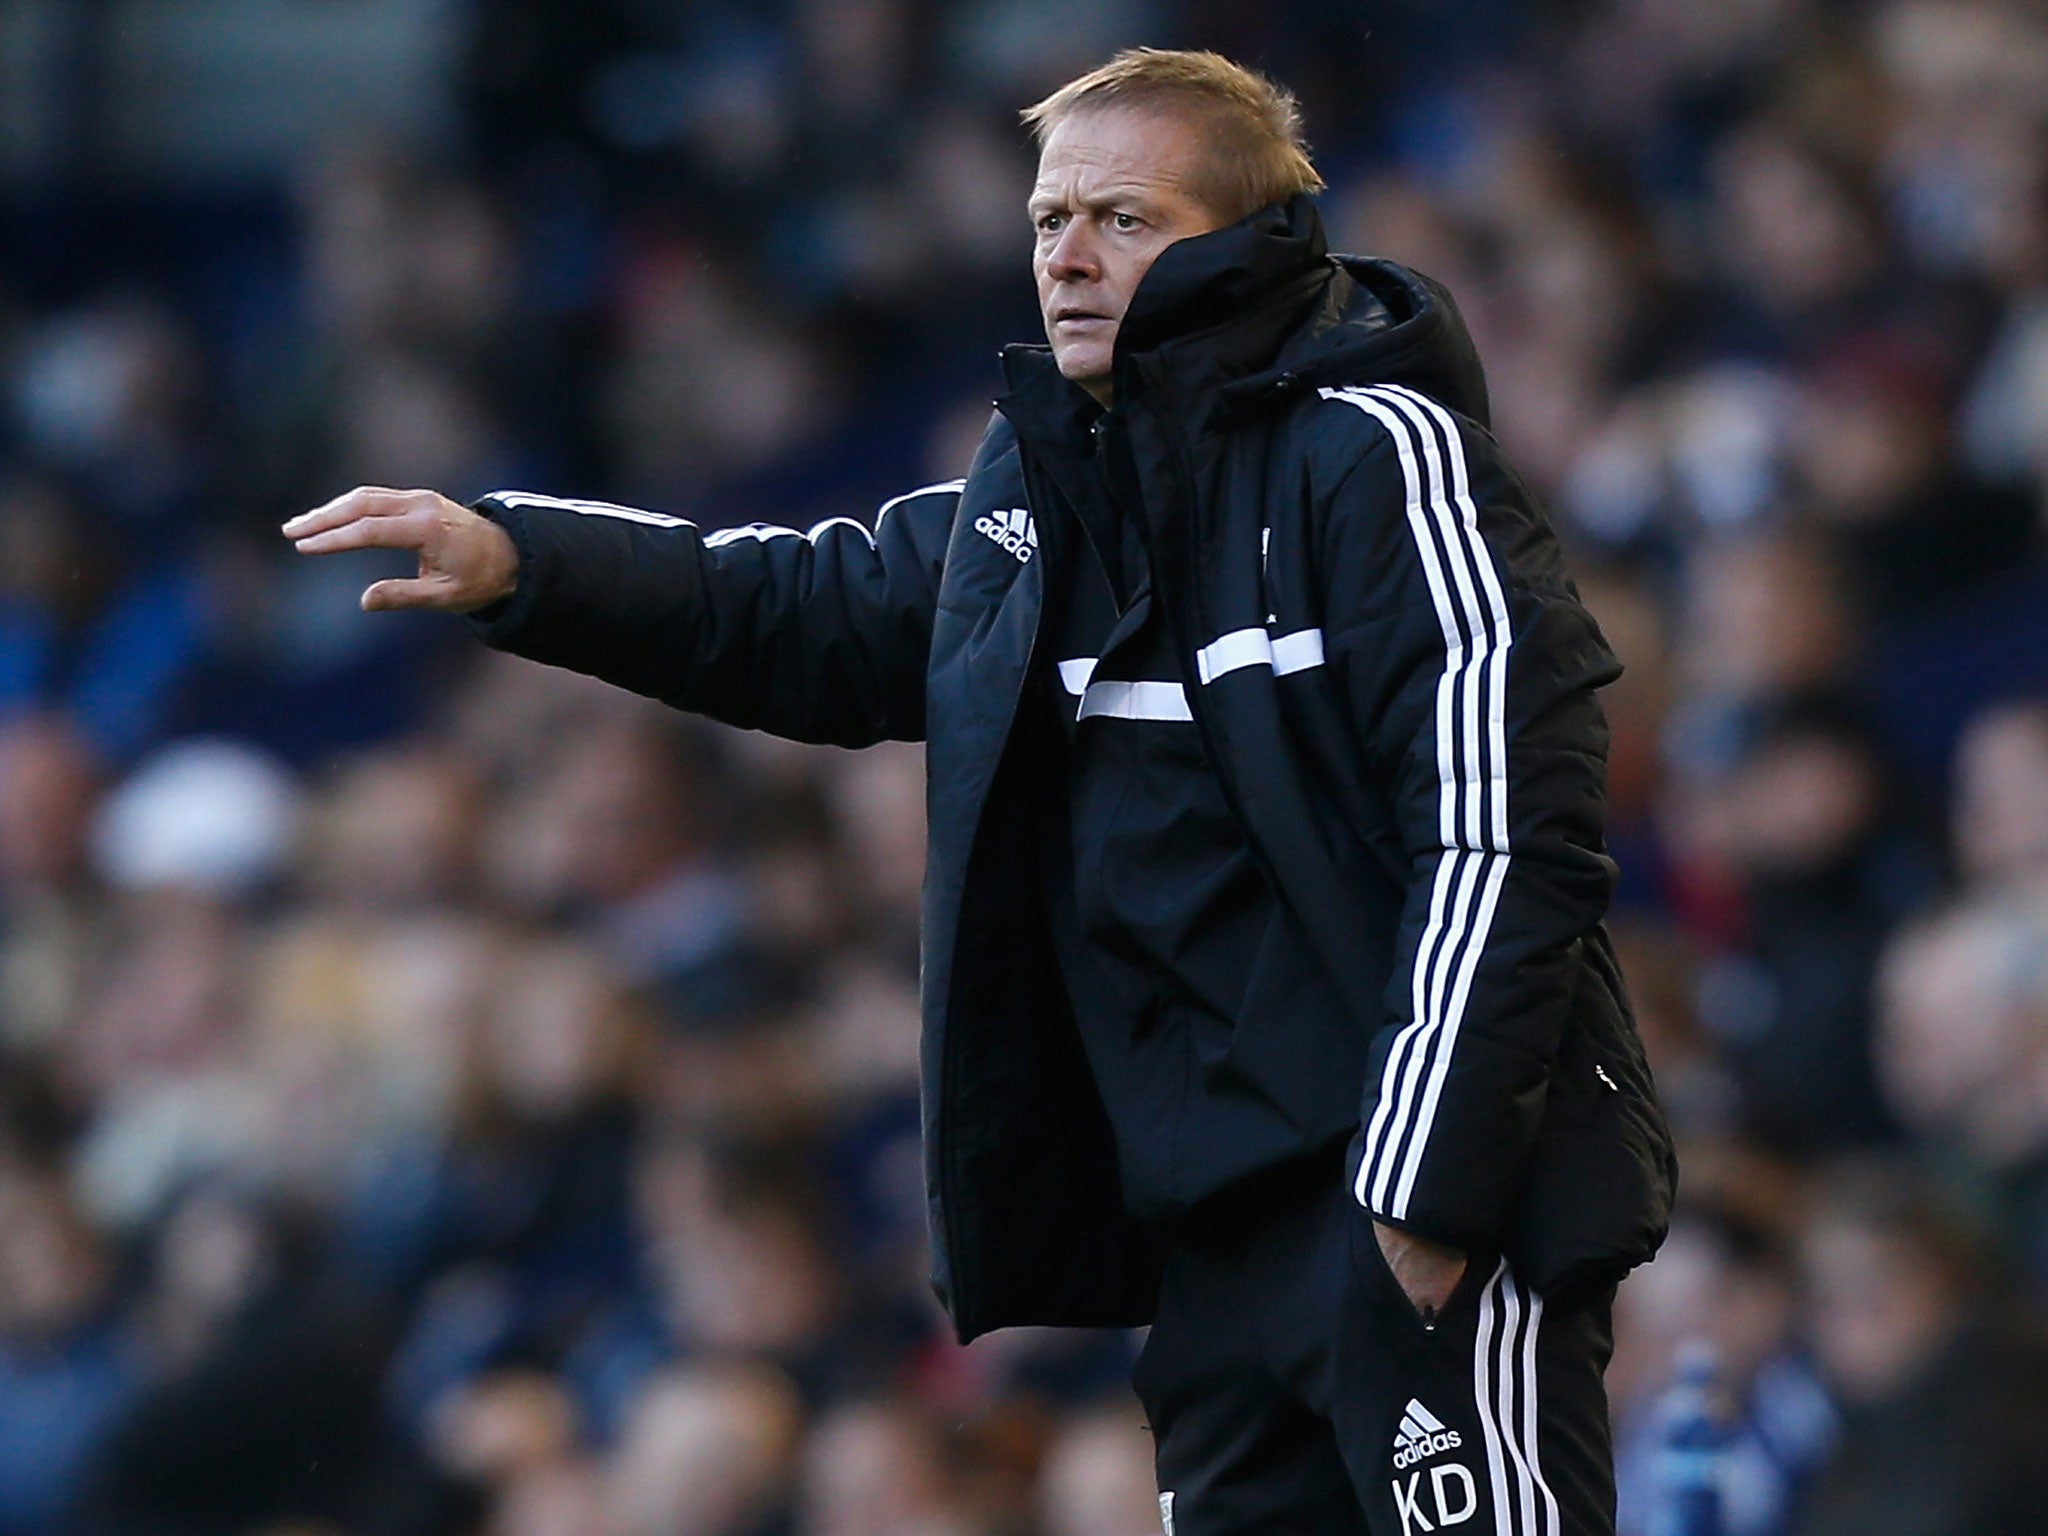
(363, 501)
(355, 508)
(373, 532)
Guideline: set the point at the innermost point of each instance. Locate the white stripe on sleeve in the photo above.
(1485, 775)
(590, 508)
(1496, 602)
(1471, 783)
(724, 536)
(767, 531)
(953, 487)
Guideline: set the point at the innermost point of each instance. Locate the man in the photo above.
(1265, 993)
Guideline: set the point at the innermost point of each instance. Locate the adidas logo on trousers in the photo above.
(1421, 1436)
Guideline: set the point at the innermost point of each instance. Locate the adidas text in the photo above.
(1406, 1456)
(1013, 530)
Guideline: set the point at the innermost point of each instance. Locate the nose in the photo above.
(1073, 257)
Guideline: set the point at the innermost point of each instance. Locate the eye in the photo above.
(1049, 223)
(1125, 220)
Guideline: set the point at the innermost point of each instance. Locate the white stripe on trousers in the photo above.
(1470, 712)
(1503, 1381)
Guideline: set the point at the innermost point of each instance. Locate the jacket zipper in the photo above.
(1178, 606)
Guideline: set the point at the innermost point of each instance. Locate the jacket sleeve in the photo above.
(1470, 667)
(820, 636)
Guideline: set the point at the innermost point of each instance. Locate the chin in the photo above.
(1085, 368)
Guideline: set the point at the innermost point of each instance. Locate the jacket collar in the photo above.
(1242, 318)
(1208, 284)
(1215, 295)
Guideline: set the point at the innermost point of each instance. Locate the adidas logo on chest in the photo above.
(1013, 530)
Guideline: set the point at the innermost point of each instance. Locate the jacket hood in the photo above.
(1264, 310)
(1383, 323)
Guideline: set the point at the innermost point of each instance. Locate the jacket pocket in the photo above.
(1597, 1196)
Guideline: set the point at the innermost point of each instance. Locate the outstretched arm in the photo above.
(820, 636)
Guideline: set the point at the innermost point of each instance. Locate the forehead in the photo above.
(1096, 150)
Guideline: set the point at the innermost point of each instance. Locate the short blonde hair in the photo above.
(1253, 126)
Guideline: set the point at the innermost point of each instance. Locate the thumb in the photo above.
(412, 592)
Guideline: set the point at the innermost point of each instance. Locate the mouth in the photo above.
(1080, 317)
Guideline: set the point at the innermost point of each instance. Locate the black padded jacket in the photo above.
(1390, 669)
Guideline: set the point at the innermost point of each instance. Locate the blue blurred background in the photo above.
(440, 1096)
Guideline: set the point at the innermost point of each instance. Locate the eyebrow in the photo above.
(1123, 192)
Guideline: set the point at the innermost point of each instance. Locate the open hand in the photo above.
(1428, 1272)
(466, 560)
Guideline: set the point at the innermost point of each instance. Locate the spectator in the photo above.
(1098, 1478)
(52, 914)
(69, 1369)
(879, 1468)
(1942, 1398)
(2001, 797)
(706, 1451)
(1726, 1287)
(1827, 865)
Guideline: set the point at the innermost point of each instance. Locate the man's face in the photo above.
(1114, 190)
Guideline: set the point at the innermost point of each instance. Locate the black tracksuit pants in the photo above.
(1293, 1389)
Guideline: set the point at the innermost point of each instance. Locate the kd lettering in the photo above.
(1454, 1504)
(1445, 1515)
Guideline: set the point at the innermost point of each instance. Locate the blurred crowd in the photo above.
(442, 1096)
